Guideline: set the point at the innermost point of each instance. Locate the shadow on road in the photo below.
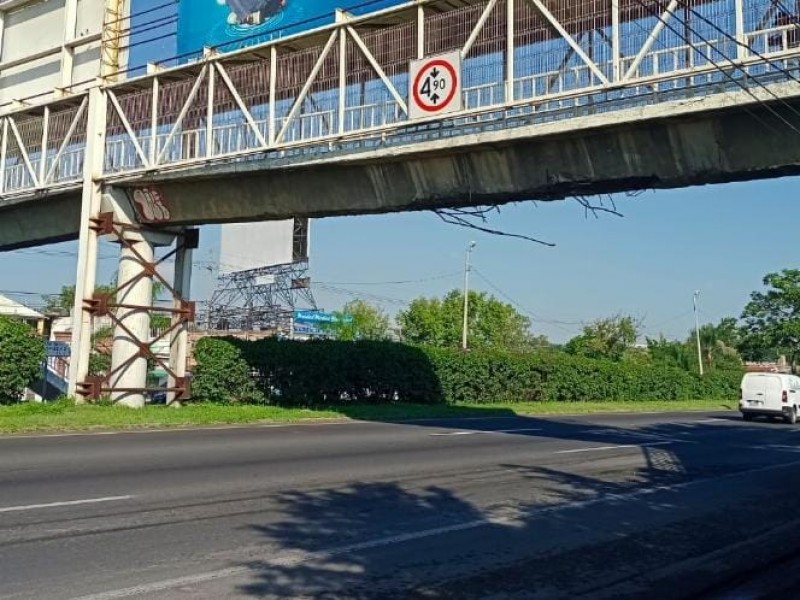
(341, 525)
(583, 529)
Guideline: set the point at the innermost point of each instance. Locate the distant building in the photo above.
(779, 366)
(10, 308)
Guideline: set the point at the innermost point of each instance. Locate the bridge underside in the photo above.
(44, 220)
(651, 147)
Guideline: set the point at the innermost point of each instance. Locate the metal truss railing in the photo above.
(345, 85)
(44, 150)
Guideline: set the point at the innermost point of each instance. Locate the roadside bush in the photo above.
(21, 356)
(329, 372)
(222, 374)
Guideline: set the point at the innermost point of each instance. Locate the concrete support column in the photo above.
(179, 344)
(128, 365)
(87, 241)
(128, 376)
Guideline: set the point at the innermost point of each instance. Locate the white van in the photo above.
(770, 395)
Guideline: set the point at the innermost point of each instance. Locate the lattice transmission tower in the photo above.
(262, 298)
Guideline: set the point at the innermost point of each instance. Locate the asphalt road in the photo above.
(626, 506)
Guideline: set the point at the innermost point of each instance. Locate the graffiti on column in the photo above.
(149, 204)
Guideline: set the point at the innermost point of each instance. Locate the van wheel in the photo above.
(748, 416)
(790, 416)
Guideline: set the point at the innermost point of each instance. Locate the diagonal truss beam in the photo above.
(476, 31)
(23, 151)
(128, 129)
(3, 156)
(374, 63)
(184, 111)
(43, 147)
(301, 97)
(568, 38)
(240, 103)
(553, 79)
(70, 132)
(662, 22)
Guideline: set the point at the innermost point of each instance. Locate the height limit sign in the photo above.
(435, 86)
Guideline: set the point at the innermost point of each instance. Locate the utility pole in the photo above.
(467, 269)
(697, 332)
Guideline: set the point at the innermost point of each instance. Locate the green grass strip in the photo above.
(65, 416)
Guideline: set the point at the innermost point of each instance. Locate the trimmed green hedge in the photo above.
(329, 372)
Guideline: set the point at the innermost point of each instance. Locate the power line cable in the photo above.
(716, 66)
(50, 253)
(740, 44)
(558, 324)
(24, 293)
(152, 27)
(143, 12)
(144, 42)
(665, 321)
(134, 30)
(60, 253)
(354, 294)
(401, 282)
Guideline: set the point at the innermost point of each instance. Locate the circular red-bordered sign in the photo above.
(426, 101)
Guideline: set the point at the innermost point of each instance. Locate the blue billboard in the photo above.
(231, 24)
(320, 317)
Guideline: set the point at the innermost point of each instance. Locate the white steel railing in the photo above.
(349, 83)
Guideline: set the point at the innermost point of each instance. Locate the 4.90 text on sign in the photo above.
(435, 86)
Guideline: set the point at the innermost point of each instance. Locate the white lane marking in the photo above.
(515, 430)
(712, 420)
(501, 517)
(479, 432)
(65, 503)
(617, 432)
(774, 447)
(600, 448)
(428, 419)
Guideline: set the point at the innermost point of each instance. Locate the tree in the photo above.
(606, 338)
(718, 345)
(726, 331)
(757, 347)
(671, 352)
(491, 323)
(772, 317)
(359, 320)
(63, 302)
(21, 356)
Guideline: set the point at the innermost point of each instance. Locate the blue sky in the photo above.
(719, 239)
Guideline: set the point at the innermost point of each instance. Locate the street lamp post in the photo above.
(467, 269)
(697, 331)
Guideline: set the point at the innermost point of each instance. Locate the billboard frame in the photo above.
(66, 44)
